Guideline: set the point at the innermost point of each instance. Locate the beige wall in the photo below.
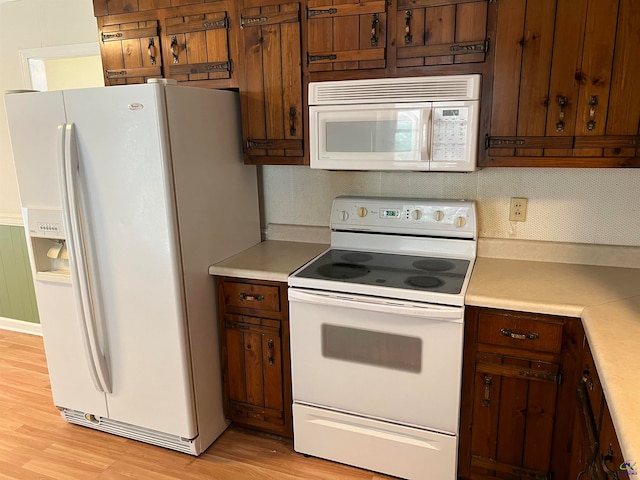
(28, 24)
(596, 206)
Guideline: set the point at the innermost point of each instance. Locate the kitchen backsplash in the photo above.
(593, 206)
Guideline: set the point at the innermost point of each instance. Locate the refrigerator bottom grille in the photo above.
(133, 432)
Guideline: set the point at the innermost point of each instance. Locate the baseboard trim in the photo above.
(20, 326)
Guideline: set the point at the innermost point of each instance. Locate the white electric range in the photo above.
(377, 324)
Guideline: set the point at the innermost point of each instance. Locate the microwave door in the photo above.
(370, 137)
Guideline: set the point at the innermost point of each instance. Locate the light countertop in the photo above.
(606, 298)
(608, 301)
(270, 260)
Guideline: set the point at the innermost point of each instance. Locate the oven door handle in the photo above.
(412, 309)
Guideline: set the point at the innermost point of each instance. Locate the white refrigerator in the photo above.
(128, 194)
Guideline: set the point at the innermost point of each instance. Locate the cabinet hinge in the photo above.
(475, 47)
(217, 24)
(252, 20)
(313, 13)
(317, 58)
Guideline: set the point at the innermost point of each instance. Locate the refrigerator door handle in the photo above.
(86, 301)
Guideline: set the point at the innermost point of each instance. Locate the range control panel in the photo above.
(414, 216)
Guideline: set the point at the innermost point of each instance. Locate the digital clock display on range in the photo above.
(385, 213)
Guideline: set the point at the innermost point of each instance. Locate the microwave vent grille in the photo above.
(396, 90)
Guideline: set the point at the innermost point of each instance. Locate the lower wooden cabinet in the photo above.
(532, 403)
(518, 394)
(596, 451)
(254, 337)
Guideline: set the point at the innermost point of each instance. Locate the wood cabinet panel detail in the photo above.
(271, 94)
(254, 326)
(561, 84)
(441, 33)
(517, 409)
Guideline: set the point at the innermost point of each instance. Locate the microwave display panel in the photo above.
(371, 136)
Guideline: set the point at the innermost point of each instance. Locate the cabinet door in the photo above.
(441, 33)
(196, 46)
(271, 91)
(253, 370)
(513, 417)
(608, 104)
(130, 52)
(346, 34)
(571, 100)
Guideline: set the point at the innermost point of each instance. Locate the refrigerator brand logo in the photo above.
(136, 106)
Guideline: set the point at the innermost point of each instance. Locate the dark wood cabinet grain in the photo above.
(558, 75)
(190, 43)
(517, 409)
(563, 79)
(596, 453)
(254, 340)
(271, 95)
(346, 35)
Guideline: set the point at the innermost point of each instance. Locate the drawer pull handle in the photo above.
(245, 297)
(519, 336)
(270, 344)
(486, 401)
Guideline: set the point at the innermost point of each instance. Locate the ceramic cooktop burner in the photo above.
(443, 275)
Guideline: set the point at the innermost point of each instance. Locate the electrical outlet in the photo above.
(518, 210)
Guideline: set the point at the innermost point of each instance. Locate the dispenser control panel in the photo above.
(44, 222)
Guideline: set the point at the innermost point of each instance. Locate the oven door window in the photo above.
(381, 349)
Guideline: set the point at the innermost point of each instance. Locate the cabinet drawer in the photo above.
(247, 295)
(520, 332)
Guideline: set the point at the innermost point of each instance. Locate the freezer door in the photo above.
(128, 217)
(33, 128)
(33, 120)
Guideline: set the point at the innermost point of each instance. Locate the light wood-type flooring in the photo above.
(36, 443)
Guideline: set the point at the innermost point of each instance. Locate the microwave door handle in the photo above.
(427, 129)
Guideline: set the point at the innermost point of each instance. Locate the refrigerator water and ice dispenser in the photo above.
(48, 241)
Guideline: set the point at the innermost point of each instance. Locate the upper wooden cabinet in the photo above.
(188, 43)
(130, 51)
(564, 90)
(271, 93)
(196, 45)
(432, 32)
(346, 35)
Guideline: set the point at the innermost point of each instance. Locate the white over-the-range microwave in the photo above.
(414, 123)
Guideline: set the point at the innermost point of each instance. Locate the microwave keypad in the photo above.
(449, 133)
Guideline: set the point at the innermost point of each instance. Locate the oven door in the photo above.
(383, 359)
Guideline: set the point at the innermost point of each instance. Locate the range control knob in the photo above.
(344, 215)
(362, 212)
(416, 214)
(439, 215)
(460, 221)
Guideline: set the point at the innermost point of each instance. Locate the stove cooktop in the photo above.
(429, 274)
